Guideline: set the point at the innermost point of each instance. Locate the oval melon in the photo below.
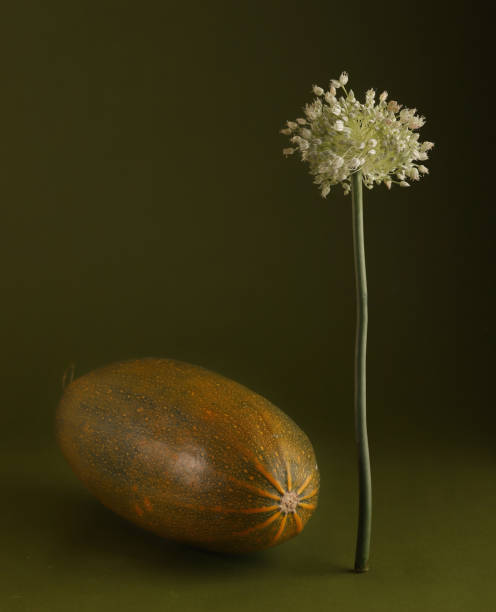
(189, 454)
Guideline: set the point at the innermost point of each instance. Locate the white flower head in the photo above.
(340, 136)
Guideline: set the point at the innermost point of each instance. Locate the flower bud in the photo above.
(413, 173)
(426, 145)
(393, 106)
(330, 98)
(369, 96)
(325, 190)
(318, 91)
(343, 79)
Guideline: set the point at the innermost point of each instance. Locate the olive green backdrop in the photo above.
(147, 211)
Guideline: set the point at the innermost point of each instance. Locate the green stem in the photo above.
(364, 479)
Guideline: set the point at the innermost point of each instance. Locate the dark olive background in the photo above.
(147, 211)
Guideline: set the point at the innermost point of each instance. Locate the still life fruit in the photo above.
(188, 454)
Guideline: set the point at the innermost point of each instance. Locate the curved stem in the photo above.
(364, 479)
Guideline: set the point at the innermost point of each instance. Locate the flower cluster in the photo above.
(339, 136)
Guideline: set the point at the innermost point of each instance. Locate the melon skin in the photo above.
(189, 454)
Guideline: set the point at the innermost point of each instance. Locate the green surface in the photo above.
(147, 211)
(432, 545)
